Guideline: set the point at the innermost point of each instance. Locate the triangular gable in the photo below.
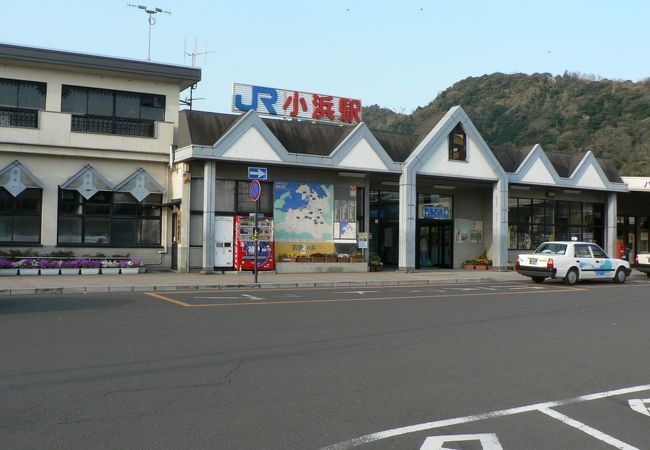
(361, 150)
(431, 156)
(87, 182)
(140, 184)
(15, 178)
(250, 139)
(589, 174)
(536, 169)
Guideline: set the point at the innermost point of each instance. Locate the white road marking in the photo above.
(357, 292)
(489, 441)
(587, 429)
(640, 406)
(251, 297)
(373, 437)
(215, 298)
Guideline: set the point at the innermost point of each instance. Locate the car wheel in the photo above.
(538, 279)
(619, 276)
(571, 277)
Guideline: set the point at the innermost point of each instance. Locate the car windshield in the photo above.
(551, 248)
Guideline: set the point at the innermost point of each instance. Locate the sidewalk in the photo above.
(172, 281)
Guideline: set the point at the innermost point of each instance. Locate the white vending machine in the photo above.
(224, 237)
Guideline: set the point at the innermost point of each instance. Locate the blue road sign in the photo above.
(255, 190)
(257, 173)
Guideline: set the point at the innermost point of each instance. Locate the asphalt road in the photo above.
(501, 365)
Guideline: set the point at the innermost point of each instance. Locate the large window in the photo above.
(533, 221)
(458, 144)
(112, 112)
(20, 217)
(435, 206)
(113, 219)
(20, 102)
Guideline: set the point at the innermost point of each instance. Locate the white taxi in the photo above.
(571, 261)
(642, 263)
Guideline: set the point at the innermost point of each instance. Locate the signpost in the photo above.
(255, 191)
(257, 173)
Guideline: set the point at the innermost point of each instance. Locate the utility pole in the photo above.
(152, 21)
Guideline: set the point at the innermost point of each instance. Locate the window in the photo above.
(533, 221)
(458, 144)
(20, 216)
(435, 206)
(597, 251)
(244, 203)
(112, 112)
(20, 102)
(114, 219)
(582, 251)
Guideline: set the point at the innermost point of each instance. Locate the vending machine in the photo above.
(245, 243)
(223, 237)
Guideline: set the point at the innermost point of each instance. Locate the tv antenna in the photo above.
(152, 21)
(195, 53)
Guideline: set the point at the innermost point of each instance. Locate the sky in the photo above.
(397, 54)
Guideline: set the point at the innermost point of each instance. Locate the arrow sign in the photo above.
(489, 441)
(257, 173)
(640, 406)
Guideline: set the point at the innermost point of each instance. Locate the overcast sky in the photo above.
(397, 54)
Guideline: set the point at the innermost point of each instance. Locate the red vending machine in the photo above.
(245, 243)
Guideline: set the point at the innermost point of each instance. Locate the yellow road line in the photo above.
(167, 299)
(357, 299)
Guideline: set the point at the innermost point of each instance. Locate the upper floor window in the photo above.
(458, 144)
(112, 112)
(20, 102)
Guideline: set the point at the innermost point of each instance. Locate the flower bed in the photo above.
(68, 266)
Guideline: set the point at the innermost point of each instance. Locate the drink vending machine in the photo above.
(245, 243)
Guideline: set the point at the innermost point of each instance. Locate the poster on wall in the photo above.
(303, 211)
(345, 212)
(468, 231)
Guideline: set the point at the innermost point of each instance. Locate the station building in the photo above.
(96, 158)
(84, 152)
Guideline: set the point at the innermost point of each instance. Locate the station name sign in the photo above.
(296, 104)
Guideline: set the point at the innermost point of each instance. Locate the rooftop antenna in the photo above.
(196, 53)
(152, 21)
(187, 101)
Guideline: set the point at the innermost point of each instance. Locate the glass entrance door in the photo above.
(434, 245)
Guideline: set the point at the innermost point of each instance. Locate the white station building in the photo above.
(96, 158)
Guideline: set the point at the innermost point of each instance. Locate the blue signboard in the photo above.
(257, 173)
(435, 212)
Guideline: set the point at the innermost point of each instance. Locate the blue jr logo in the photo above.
(268, 96)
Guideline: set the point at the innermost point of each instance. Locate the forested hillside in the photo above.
(568, 113)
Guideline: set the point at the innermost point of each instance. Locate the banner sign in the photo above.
(287, 103)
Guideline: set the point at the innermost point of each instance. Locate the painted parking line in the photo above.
(361, 298)
(545, 408)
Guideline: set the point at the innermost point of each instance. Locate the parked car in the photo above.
(642, 263)
(572, 261)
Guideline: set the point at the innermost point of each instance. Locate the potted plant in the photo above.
(284, 257)
(70, 267)
(330, 257)
(303, 258)
(110, 267)
(317, 257)
(7, 267)
(89, 266)
(343, 257)
(469, 264)
(49, 266)
(27, 266)
(356, 257)
(130, 266)
(375, 264)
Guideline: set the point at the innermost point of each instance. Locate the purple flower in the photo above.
(70, 264)
(6, 264)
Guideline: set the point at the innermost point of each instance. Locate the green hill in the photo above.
(567, 113)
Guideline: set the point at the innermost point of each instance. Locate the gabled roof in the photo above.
(15, 178)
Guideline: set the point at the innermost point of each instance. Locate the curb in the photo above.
(232, 286)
